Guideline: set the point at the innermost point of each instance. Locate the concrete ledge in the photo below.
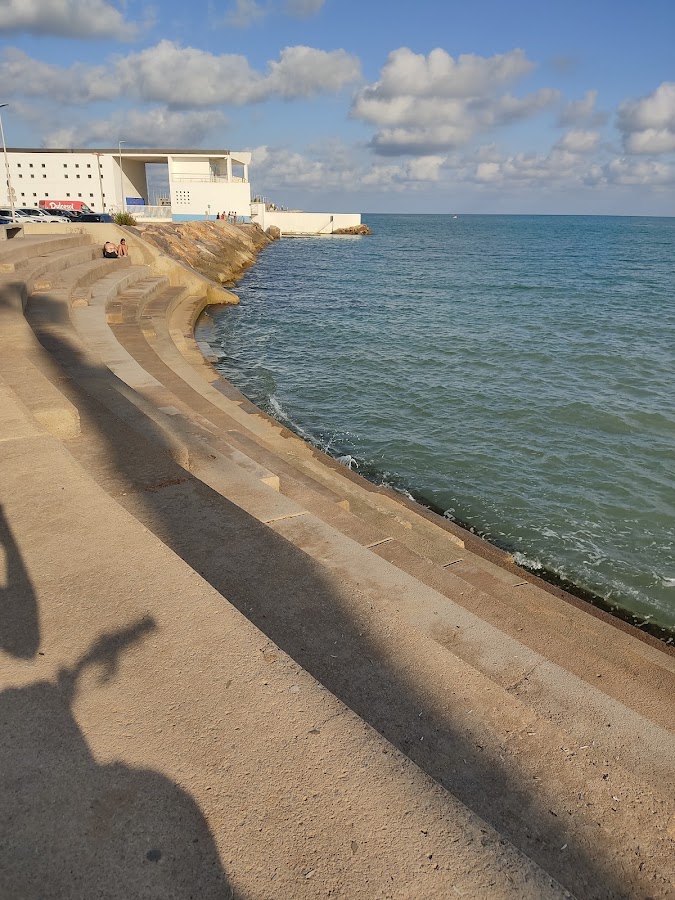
(54, 412)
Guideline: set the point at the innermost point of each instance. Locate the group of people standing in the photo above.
(110, 251)
(228, 217)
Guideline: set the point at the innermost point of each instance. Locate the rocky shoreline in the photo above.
(218, 250)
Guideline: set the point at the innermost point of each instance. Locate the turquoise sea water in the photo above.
(514, 372)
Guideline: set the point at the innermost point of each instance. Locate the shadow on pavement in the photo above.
(288, 597)
(19, 619)
(73, 828)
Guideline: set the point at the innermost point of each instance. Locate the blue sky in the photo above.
(376, 106)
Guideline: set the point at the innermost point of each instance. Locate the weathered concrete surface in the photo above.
(210, 688)
(155, 744)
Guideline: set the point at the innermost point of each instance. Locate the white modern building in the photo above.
(201, 183)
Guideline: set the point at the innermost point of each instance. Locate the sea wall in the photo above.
(217, 250)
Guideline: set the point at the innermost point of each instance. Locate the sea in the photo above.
(514, 373)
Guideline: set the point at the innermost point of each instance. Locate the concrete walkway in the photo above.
(230, 669)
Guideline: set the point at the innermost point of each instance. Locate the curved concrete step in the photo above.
(190, 736)
(498, 595)
(77, 281)
(41, 273)
(28, 247)
(429, 675)
(473, 736)
(514, 667)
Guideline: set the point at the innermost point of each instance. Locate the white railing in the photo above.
(207, 178)
(149, 212)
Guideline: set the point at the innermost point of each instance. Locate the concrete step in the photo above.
(41, 273)
(155, 711)
(386, 645)
(370, 641)
(127, 304)
(187, 440)
(106, 289)
(512, 668)
(504, 595)
(19, 250)
(77, 280)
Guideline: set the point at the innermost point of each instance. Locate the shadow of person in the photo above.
(75, 829)
(19, 620)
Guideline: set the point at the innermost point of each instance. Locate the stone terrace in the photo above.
(231, 668)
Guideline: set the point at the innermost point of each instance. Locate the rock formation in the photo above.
(353, 229)
(218, 250)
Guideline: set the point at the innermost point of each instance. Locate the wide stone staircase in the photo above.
(310, 685)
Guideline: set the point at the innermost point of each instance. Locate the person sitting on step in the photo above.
(109, 250)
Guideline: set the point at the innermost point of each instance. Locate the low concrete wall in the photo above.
(304, 222)
(10, 231)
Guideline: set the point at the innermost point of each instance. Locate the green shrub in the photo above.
(124, 218)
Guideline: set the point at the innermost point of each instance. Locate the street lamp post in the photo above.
(123, 208)
(10, 192)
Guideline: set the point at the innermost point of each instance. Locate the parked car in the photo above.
(62, 213)
(39, 215)
(28, 214)
(95, 217)
(4, 220)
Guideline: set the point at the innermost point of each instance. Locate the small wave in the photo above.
(277, 408)
(348, 461)
(521, 560)
(668, 582)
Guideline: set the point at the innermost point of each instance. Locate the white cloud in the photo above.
(336, 167)
(22, 75)
(425, 168)
(582, 112)
(648, 123)
(183, 77)
(578, 141)
(304, 72)
(158, 127)
(65, 18)
(244, 13)
(427, 104)
(645, 173)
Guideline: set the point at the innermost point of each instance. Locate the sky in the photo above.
(424, 106)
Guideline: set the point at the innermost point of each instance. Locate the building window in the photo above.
(30, 165)
(77, 165)
(65, 176)
(79, 195)
(65, 165)
(44, 176)
(89, 165)
(35, 195)
(77, 176)
(46, 195)
(20, 175)
(91, 195)
(32, 176)
(44, 166)
(22, 194)
(88, 176)
(18, 165)
(67, 195)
